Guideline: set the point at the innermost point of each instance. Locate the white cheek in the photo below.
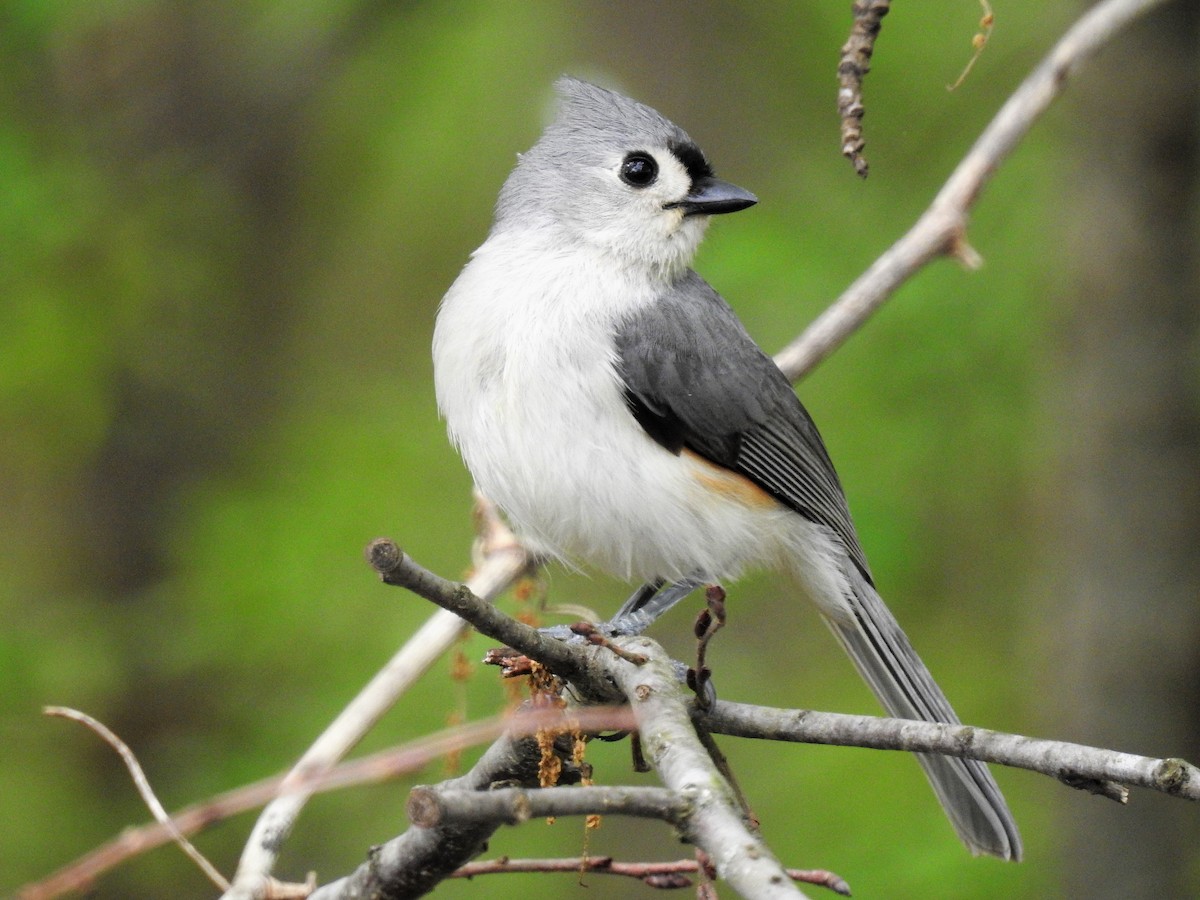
(673, 182)
(683, 233)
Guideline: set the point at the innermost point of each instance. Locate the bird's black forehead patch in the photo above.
(692, 159)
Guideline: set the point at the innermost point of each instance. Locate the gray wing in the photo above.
(695, 379)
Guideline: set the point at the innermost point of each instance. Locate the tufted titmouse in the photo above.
(615, 408)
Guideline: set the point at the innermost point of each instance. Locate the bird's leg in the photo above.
(647, 603)
(638, 613)
(640, 597)
(708, 623)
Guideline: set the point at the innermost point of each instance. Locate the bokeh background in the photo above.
(224, 233)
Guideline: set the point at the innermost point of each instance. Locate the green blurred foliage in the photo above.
(225, 232)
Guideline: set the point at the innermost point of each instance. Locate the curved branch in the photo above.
(142, 783)
(383, 765)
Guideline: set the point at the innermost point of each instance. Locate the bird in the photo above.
(612, 404)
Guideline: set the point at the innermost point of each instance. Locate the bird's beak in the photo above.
(711, 196)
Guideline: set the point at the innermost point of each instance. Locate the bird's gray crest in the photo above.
(591, 115)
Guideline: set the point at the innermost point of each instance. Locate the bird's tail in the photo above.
(881, 651)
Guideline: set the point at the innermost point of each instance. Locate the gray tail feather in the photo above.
(883, 655)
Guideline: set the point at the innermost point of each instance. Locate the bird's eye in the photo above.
(639, 170)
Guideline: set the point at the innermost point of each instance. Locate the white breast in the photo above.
(525, 376)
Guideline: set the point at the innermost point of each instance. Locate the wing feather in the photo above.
(695, 379)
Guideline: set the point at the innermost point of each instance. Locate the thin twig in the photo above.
(428, 807)
(663, 875)
(397, 568)
(143, 788)
(1072, 764)
(853, 67)
(978, 43)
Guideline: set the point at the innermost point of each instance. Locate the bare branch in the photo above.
(673, 748)
(565, 660)
(712, 818)
(143, 788)
(941, 229)
(1076, 766)
(430, 807)
(1073, 764)
(852, 69)
(707, 813)
(1054, 758)
(664, 875)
